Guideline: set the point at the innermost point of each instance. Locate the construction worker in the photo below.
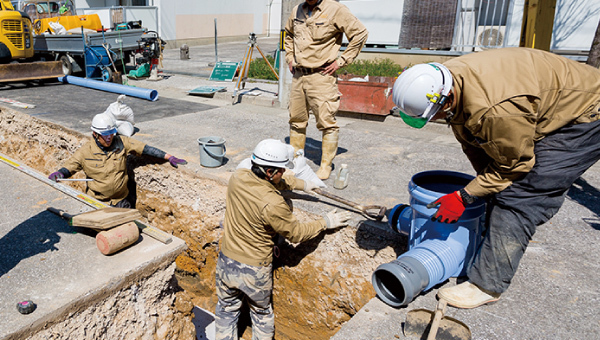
(528, 121)
(104, 161)
(255, 214)
(314, 33)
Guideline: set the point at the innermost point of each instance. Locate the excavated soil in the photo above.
(318, 285)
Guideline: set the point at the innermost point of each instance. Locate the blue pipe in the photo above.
(437, 251)
(138, 92)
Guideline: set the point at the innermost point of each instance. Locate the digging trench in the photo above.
(318, 285)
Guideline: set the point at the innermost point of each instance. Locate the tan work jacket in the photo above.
(108, 169)
(314, 40)
(510, 98)
(255, 212)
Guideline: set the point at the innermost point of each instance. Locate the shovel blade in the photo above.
(418, 323)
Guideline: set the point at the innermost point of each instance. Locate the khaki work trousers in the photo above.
(316, 92)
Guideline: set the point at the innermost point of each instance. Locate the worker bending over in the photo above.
(313, 38)
(104, 160)
(529, 123)
(255, 213)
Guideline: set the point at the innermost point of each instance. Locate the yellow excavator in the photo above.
(16, 44)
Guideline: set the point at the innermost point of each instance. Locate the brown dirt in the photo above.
(318, 285)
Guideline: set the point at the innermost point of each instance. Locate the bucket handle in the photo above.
(212, 154)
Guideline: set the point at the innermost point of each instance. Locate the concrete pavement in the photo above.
(554, 294)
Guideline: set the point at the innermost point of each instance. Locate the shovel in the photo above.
(376, 212)
(425, 324)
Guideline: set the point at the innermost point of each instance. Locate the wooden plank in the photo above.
(105, 218)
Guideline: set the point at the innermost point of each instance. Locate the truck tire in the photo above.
(66, 65)
(5, 55)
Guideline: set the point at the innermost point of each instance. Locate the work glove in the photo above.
(337, 219)
(55, 176)
(309, 186)
(174, 161)
(451, 208)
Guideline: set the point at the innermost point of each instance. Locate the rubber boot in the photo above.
(297, 138)
(467, 295)
(329, 149)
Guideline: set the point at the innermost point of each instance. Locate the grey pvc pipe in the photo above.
(138, 92)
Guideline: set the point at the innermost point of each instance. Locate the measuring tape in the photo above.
(145, 229)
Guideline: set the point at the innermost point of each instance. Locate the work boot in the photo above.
(297, 138)
(328, 151)
(467, 295)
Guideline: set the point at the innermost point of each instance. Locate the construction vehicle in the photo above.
(16, 44)
(16, 40)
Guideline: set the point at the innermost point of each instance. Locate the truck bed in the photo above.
(127, 40)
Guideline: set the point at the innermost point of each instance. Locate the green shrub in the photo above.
(378, 67)
(260, 70)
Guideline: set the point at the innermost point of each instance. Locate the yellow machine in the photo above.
(16, 41)
(42, 12)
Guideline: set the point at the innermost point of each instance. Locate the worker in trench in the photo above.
(313, 37)
(528, 121)
(104, 160)
(255, 214)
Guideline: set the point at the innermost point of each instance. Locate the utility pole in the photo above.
(285, 76)
(538, 21)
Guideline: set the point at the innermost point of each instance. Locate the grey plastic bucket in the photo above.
(212, 151)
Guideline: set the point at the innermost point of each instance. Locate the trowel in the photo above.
(425, 324)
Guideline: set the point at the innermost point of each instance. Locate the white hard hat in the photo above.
(421, 91)
(271, 152)
(103, 125)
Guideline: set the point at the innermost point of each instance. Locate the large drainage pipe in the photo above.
(137, 92)
(437, 251)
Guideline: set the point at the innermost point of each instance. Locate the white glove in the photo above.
(309, 186)
(337, 219)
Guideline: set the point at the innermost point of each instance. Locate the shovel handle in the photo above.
(437, 318)
(339, 199)
(60, 213)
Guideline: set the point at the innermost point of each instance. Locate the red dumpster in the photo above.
(373, 96)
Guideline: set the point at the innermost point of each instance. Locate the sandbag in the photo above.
(119, 111)
(304, 172)
(124, 128)
(57, 28)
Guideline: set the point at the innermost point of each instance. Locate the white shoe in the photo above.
(467, 295)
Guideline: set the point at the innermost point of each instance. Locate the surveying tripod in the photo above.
(243, 74)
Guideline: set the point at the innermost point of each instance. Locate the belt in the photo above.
(306, 71)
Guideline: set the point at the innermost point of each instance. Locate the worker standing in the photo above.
(314, 33)
(529, 123)
(255, 213)
(104, 159)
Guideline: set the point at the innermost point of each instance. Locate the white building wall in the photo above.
(193, 19)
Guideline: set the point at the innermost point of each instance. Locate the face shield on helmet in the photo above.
(421, 91)
(272, 152)
(103, 125)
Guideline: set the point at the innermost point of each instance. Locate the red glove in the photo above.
(451, 208)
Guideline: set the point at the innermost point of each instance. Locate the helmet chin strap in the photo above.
(265, 173)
